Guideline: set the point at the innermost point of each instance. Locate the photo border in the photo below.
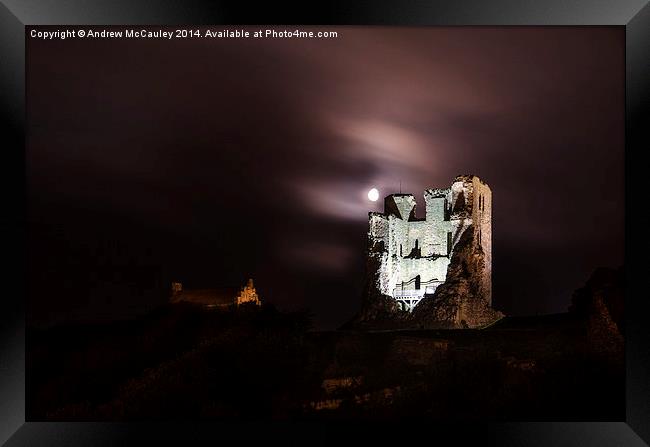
(17, 15)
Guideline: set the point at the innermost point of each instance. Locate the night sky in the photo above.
(209, 161)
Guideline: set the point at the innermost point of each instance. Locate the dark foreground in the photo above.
(182, 362)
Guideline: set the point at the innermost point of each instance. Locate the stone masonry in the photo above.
(433, 271)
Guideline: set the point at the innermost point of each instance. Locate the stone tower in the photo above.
(410, 258)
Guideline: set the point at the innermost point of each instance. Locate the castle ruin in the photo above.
(216, 298)
(248, 294)
(437, 269)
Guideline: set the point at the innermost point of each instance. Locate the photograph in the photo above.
(325, 223)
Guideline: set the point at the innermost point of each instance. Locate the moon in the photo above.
(373, 195)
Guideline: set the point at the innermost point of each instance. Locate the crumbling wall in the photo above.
(412, 246)
(463, 300)
(377, 306)
(600, 304)
(450, 251)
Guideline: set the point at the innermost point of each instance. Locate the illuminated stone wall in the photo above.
(411, 255)
(248, 294)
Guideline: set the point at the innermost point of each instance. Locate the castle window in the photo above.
(416, 244)
(448, 243)
(417, 282)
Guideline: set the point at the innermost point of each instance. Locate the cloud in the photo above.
(323, 256)
(337, 198)
(383, 141)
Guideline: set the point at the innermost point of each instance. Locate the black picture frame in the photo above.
(16, 15)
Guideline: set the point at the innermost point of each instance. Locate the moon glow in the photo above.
(373, 195)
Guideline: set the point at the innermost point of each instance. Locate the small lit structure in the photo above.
(248, 294)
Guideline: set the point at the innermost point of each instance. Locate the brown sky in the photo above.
(210, 160)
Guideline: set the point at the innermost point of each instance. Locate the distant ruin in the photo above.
(434, 271)
(248, 294)
(216, 298)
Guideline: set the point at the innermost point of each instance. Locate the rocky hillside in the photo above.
(184, 362)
